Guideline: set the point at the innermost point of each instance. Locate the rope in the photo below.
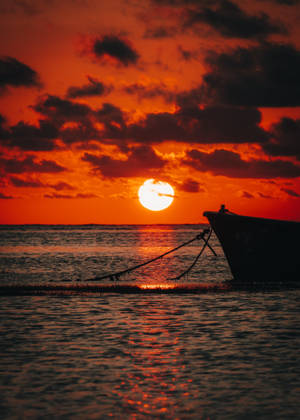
(197, 258)
(116, 276)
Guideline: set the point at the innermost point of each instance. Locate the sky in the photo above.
(98, 96)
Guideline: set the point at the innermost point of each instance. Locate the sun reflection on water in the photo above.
(154, 286)
(158, 379)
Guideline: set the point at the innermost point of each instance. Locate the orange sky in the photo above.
(96, 97)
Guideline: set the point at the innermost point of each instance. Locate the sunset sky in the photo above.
(96, 96)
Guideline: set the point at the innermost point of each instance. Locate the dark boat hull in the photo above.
(258, 251)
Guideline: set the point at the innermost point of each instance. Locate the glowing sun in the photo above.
(156, 195)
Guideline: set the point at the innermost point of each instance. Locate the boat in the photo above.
(259, 251)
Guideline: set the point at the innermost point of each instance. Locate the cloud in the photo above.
(213, 124)
(93, 88)
(191, 186)
(230, 21)
(230, 164)
(187, 55)
(29, 165)
(286, 2)
(28, 7)
(150, 91)
(82, 133)
(266, 196)
(32, 183)
(115, 48)
(60, 110)
(73, 122)
(16, 74)
(67, 196)
(159, 32)
(59, 186)
(290, 192)
(141, 161)
(246, 194)
(5, 197)
(267, 75)
(30, 137)
(3, 132)
(111, 116)
(22, 183)
(285, 139)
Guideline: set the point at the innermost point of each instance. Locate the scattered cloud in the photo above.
(150, 91)
(192, 124)
(267, 75)
(230, 164)
(246, 194)
(191, 186)
(141, 161)
(231, 21)
(30, 165)
(266, 196)
(28, 183)
(115, 48)
(290, 192)
(61, 110)
(16, 74)
(5, 196)
(28, 137)
(59, 186)
(286, 2)
(68, 196)
(93, 88)
(284, 140)
(159, 32)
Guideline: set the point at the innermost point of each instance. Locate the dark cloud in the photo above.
(187, 55)
(26, 183)
(93, 88)
(72, 122)
(246, 194)
(2, 120)
(141, 161)
(60, 110)
(28, 7)
(267, 75)
(230, 21)
(68, 196)
(195, 125)
(14, 73)
(82, 133)
(290, 192)
(113, 119)
(286, 2)
(29, 165)
(116, 48)
(230, 164)
(160, 32)
(150, 91)
(190, 185)
(59, 186)
(266, 196)
(34, 138)
(3, 132)
(5, 197)
(285, 140)
(180, 3)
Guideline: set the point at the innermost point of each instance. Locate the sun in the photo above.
(156, 195)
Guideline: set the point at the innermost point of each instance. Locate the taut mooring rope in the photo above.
(116, 276)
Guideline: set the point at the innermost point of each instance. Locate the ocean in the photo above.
(140, 345)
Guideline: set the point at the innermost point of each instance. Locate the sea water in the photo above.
(73, 352)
